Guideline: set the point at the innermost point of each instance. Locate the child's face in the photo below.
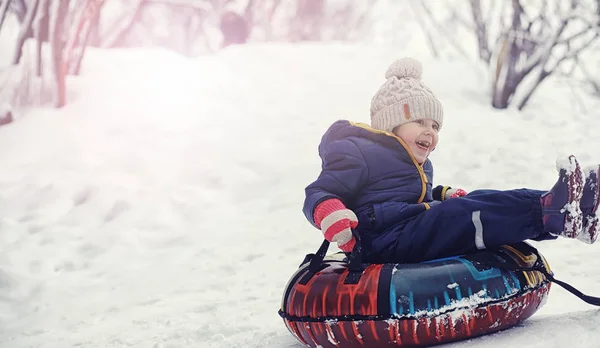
(421, 136)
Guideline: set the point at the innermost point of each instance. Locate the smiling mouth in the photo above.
(423, 144)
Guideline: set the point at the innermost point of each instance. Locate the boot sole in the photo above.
(591, 227)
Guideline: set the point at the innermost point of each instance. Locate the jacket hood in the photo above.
(343, 129)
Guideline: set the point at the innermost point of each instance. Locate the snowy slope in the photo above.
(162, 206)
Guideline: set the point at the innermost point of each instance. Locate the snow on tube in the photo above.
(330, 302)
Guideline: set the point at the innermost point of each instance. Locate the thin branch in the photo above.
(455, 16)
(3, 11)
(542, 54)
(443, 31)
(120, 36)
(421, 23)
(576, 52)
(585, 71)
(576, 35)
(481, 31)
(576, 97)
(25, 30)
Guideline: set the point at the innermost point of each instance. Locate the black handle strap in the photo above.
(355, 265)
(540, 267)
(595, 301)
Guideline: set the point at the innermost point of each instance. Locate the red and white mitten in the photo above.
(453, 193)
(336, 222)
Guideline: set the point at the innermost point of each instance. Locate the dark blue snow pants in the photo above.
(482, 219)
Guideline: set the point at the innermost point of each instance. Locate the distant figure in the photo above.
(6, 117)
(235, 29)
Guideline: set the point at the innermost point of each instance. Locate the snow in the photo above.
(162, 206)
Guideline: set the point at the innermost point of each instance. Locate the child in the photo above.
(378, 181)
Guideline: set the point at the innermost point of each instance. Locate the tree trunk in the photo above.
(506, 77)
(58, 45)
(41, 33)
(25, 30)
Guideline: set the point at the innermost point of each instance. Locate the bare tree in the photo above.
(521, 41)
(533, 45)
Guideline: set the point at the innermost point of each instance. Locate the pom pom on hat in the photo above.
(405, 67)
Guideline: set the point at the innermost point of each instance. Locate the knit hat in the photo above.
(404, 98)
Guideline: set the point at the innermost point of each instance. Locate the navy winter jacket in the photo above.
(374, 174)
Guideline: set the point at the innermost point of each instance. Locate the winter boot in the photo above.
(561, 205)
(589, 205)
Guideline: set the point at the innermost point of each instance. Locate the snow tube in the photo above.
(335, 301)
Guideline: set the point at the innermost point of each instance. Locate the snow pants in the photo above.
(482, 219)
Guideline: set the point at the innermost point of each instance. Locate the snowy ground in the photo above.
(162, 207)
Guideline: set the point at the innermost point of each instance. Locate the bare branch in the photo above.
(3, 11)
(132, 19)
(575, 35)
(25, 30)
(575, 52)
(19, 8)
(442, 31)
(456, 16)
(480, 31)
(542, 54)
(273, 10)
(419, 18)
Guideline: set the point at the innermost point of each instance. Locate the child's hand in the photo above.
(442, 193)
(336, 222)
(454, 193)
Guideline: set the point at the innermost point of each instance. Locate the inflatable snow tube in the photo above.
(331, 302)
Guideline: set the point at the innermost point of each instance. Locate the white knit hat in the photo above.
(404, 98)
